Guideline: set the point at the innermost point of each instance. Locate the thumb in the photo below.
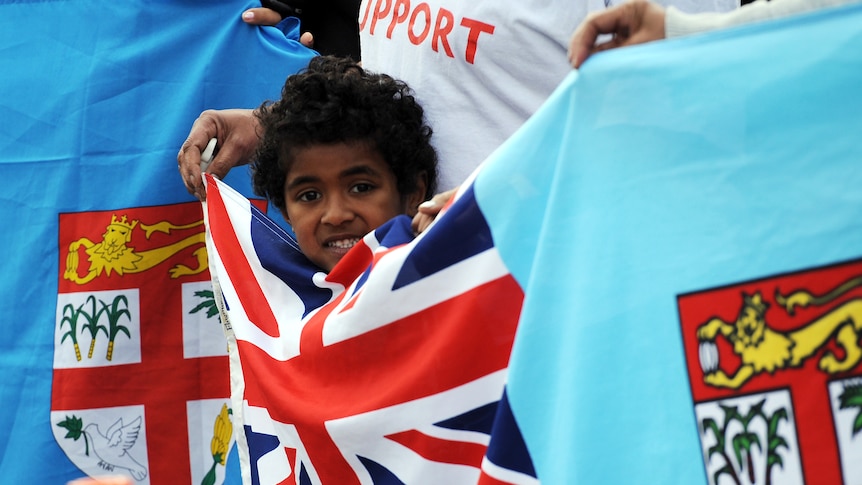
(307, 40)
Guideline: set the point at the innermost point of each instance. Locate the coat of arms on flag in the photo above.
(140, 383)
(776, 376)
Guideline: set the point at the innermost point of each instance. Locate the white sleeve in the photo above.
(678, 23)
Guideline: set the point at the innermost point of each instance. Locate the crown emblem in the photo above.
(123, 222)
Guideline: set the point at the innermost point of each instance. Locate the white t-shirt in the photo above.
(679, 22)
(480, 68)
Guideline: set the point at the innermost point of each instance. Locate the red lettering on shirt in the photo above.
(379, 13)
(402, 9)
(365, 15)
(399, 11)
(418, 39)
(476, 27)
(441, 31)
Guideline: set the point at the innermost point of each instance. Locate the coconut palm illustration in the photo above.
(70, 316)
(114, 313)
(850, 398)
(92, 323)
(209, 303)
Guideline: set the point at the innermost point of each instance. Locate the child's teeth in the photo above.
(344, 243)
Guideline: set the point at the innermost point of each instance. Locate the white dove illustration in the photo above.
(113, 447)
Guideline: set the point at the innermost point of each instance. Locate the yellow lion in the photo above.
(762, 348)
(112, 254)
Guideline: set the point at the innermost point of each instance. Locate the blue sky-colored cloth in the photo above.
(657, 171)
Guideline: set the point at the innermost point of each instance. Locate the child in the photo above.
(342, 152)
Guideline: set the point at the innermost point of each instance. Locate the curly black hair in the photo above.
(332, 101)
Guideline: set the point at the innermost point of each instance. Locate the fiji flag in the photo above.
(112, 358)
(685, 218)
(671, 249)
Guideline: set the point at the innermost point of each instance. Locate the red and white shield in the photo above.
(140, 361)
(775, 367)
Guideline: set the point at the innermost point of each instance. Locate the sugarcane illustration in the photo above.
(92, 323)
(743, 442)
(70, 316)
(114, 312)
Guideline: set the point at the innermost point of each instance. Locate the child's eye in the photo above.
(362, 187)
(308, 196)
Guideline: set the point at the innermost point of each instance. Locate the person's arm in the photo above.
(641, 21)
(236, 132)
(678, 23)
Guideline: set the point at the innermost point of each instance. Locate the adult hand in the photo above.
(236, 132)
(261, 16)
(268, 16)
(630, 23)
(428, 210)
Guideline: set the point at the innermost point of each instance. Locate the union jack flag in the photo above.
(389, 369)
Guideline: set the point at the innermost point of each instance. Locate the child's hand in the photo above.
(428, 210)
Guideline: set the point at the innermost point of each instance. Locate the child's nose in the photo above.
(337, 212)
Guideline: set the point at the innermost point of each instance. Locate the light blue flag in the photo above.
(95, 101)
(686, 220)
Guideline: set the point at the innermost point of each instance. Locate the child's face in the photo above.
(336, 194)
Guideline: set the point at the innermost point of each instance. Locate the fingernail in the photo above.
(427, 203)
(248, 15)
